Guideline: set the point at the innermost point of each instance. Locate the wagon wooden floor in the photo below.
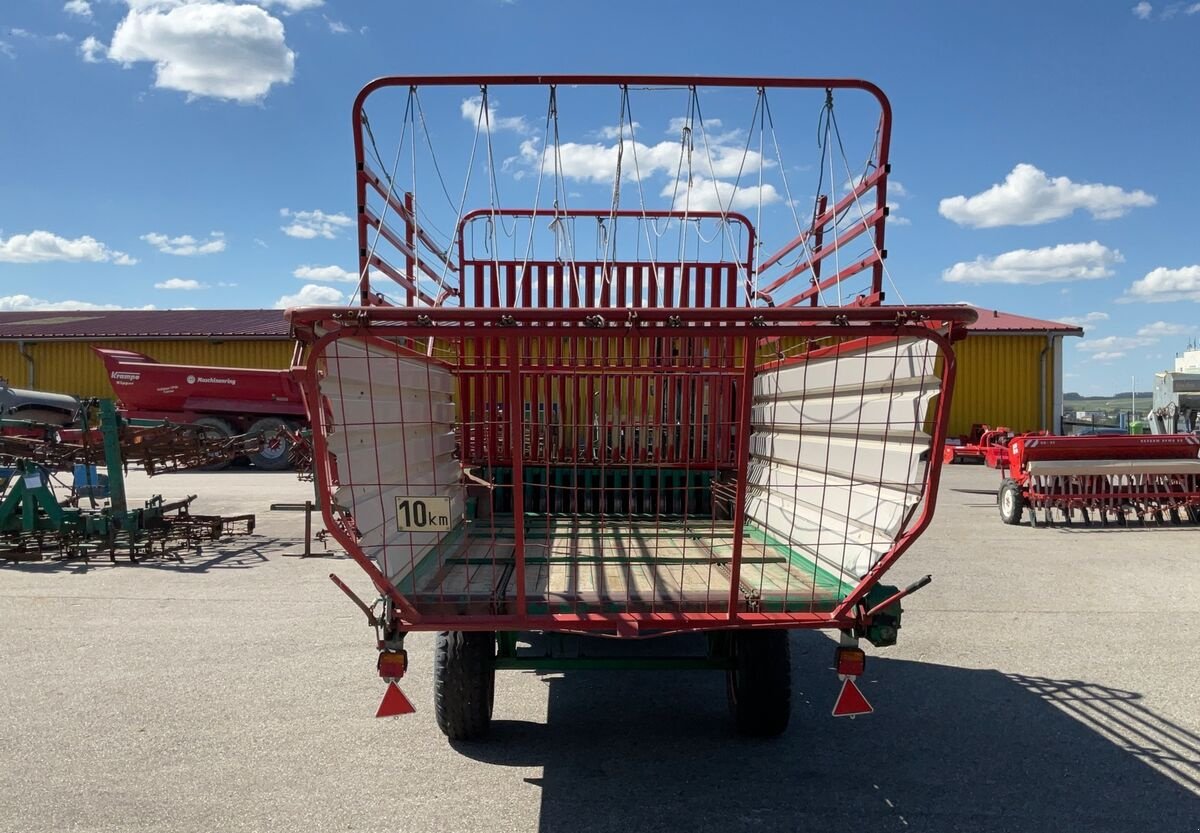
(577, 565)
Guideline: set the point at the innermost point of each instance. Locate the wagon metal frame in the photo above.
(623, 416)
(854, 325)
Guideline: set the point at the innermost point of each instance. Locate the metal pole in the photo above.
(110, 430)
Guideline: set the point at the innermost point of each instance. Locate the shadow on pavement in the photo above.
(948, 749)
(221, 556)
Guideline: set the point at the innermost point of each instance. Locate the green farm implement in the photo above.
(96, 517)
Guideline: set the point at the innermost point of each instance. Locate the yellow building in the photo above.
(1010, 373)
(1009, 368)
(52, 350)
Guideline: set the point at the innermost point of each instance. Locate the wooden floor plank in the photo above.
(635, 565)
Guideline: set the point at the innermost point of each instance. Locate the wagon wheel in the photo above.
(464, 683)
(1012, 505)
(759, 685)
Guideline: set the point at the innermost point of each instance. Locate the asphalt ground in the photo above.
(1047, 680)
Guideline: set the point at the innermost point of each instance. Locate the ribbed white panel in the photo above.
(392, 435)
(837, 450)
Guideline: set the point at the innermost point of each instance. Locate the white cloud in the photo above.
(1192, 9)
(1109, 356)
(675, 126)
(92, 50)
(232, 52)
(28, 302)
(290, 6)
(1142, 10)
(472, 110)
(325, 273)
(185, 245)
(180, 283)
(1050, 264)
(309, 224)
(1028, 197)
(597, 162)
(59, 37)
(611, 132)
(7, 50)
(1164, 285)
(313, 295)
(336, 26)
(1100, 345)
(1162, 328)
(894, 217)
(718, 195)
(1083, 320)
(44, 247)
(78, 7)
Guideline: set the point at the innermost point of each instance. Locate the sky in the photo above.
(197, 153)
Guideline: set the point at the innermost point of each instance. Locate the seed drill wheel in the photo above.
(760, 683)
(216, 428)
(1012, 505)
(464, 683)
(275, 454)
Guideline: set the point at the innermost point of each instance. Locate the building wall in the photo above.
(998, 382)
(71, 367)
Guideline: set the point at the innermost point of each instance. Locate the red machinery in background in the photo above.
(227, 401)
(984, 445)
(1104, 479)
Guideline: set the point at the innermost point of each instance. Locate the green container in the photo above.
(1137, 427)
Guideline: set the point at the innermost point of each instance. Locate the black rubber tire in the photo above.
(222, 429)
(277, 457)
(464, 683)
(1012, 505)
(760, 685)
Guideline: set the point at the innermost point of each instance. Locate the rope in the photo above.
(862, 215)
(537, 194)
(560, 194)
(651, 249)
(724, 210)
(828, 118)
(463, 200)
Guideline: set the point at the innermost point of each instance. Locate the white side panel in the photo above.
(392, 435)
(839, 451)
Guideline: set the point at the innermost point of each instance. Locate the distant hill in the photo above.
(1116, 402)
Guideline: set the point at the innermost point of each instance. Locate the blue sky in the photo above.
(1045, 151)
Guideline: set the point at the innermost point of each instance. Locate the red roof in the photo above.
(995, 321)
(82, 325)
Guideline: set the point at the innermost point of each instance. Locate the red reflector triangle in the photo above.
(394, 703)
(851, 701)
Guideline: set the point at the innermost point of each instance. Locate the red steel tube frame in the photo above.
(599, 213)
(869, 322)
(878, 179)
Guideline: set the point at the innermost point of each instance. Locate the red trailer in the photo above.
(228, 401)
(563, 421)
